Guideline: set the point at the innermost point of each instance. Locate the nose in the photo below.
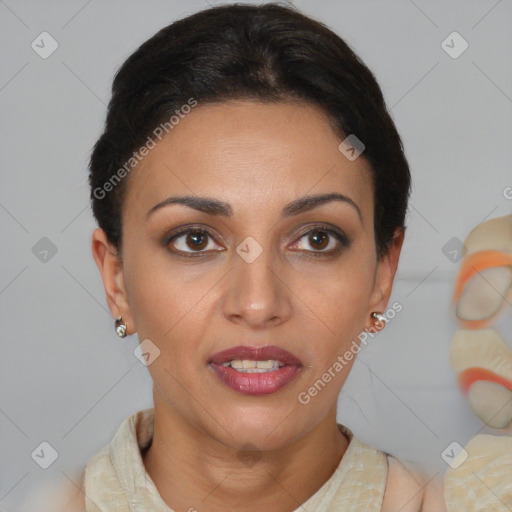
(257, 294)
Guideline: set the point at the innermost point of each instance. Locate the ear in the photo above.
(111, 270)
(385, 274)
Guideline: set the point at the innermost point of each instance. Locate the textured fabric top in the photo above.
(115, 477)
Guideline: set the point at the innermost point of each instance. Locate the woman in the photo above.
(250, 189)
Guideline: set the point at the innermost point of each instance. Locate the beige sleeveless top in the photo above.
(115, 478)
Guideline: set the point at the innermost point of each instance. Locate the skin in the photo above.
(247, 154)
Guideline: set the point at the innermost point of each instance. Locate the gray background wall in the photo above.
(66, 378)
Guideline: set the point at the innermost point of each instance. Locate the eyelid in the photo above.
(343, 240)
(324, 226)
(184, 230)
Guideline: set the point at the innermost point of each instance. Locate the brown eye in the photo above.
(196, 240)
(318, 239)
(192, 240)
(321, 241)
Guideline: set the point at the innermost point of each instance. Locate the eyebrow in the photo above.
(220, 208)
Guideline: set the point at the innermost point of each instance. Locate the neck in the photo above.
(192, 470)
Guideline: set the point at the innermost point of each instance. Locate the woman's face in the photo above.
(261, 268)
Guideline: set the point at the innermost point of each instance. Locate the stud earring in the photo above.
(378, 316)
(379, 319)
(120, 328)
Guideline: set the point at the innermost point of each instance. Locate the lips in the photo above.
(262, 382)
(255, 354)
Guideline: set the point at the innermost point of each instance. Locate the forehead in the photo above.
(249, 153)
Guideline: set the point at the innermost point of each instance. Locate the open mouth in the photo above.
(250, 366)
(255, 370)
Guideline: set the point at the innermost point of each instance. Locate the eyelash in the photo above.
(338, 235)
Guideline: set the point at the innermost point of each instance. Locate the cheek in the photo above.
(341, 304)
(339, 299)
(166, 307)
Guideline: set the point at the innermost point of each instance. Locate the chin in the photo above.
(267, 427)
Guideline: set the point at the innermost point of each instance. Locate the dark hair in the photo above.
(264, 52)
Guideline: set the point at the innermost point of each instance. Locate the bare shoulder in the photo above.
(410, 490)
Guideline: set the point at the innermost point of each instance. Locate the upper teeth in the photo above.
(253, 366)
